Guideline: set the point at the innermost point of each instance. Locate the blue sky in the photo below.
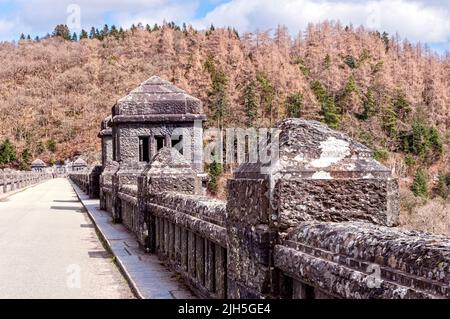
(427, 21)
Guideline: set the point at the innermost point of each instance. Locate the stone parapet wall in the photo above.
(11, 180)
(88, 180)
(191, 238)
(319, 222)
(361, 260)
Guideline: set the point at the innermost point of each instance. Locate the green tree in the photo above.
(327, 62)
(267, 93)
(7, 152)
(401, 105)
(51, 145)
(214, 172)
(218, 95)
(83, 35)
(351, 62)
(62, 30)
(389, 119)
(74, 37)
(25, 160)
(420, 184)
(92, 33)
(443, 186)
(419, 139)
(369, 105)
(330, 113)
(435, 143)
(294, 105)
(250, 103)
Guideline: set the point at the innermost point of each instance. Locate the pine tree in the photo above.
(294, 105)
(83, 35)
(267, 94)
(51, 145)
(401, 105)
(105, 32)
(327, 61)
(218, 96)
(369, 105)
(62, 30)
(29, 37)
(389, 119)
(250, 104)
(22, 37)
(331, 113)
(25, 160)
(92, 34)
(74, 37)
(420, 184)
(7, 152)
(435, 143)
(419, 144)
(214, 172)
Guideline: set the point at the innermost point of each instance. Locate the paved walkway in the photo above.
(148, 276)
(49, 248)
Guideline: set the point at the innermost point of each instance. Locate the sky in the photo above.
(426, 21)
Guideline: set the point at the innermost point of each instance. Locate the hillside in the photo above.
(386, 92)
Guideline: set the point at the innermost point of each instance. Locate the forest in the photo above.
(390, 94)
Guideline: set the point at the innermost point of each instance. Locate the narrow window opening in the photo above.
(159, 142)
(144, 155)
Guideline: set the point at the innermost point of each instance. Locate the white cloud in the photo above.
(416, 20)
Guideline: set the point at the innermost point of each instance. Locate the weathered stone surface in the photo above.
(311, 225)
(156, 96)
(11, 180)
(360, 260)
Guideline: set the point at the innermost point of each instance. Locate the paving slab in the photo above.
(149, 278)
(49, 248)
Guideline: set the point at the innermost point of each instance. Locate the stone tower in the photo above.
(155, 115)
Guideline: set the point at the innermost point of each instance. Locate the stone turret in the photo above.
(38, 165)
(319, 174)
(79, 165)
(154, 115)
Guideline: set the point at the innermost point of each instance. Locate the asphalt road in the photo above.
(49, 248)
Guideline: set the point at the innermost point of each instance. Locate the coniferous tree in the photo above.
(83, 35)
(294, 105)
(420, 184)
(25, 160)
(22, 37)
(267, 94)
(250, 103)
(218, 96)
(62, 30)
(389, 119)
(214, 172)
(369, 105)
(7, 152)
(92, 33)
(74, 37)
